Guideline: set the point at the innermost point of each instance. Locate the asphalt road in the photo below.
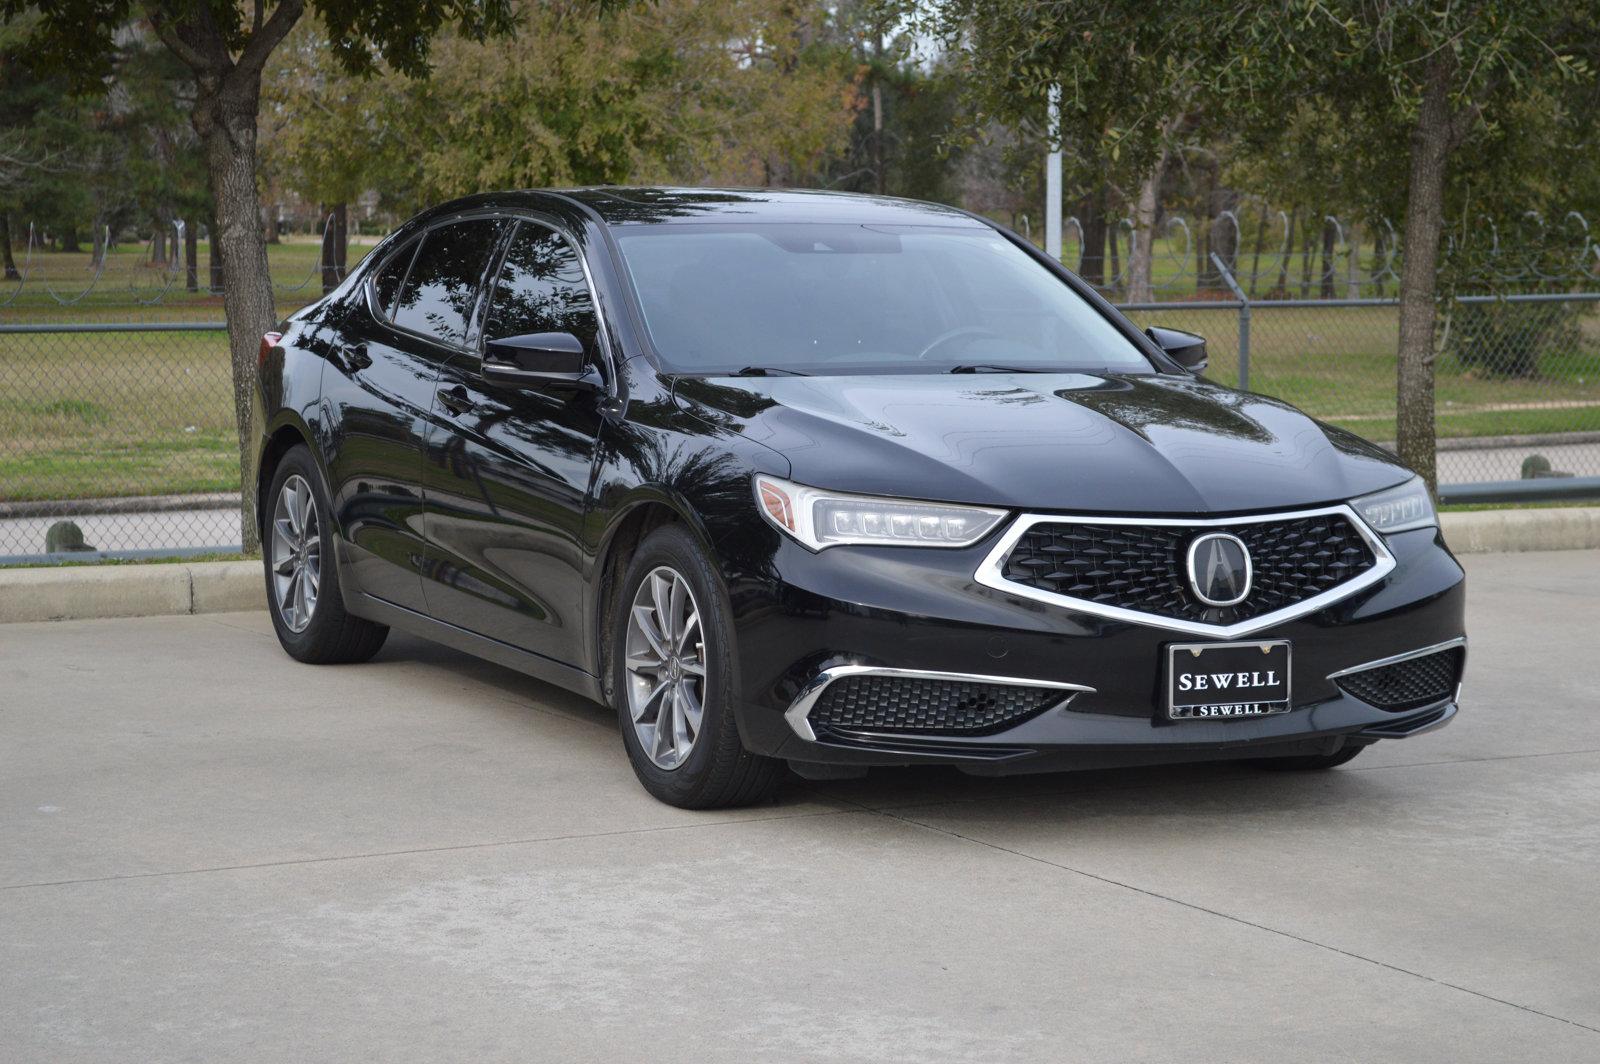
(209, 852)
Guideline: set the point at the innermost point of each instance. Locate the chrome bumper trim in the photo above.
(1395, 659)
(800, 709)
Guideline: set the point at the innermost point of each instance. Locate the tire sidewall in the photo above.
(673, 547)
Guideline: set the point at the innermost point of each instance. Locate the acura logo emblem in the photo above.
(1219, 569)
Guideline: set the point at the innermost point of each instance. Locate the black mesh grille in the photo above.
(1142, 567)
(909, 704)
(1409, 684)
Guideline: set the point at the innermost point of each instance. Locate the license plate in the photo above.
(1206, 680)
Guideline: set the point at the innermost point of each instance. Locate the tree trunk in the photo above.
(191, 255)
(335, 246)
(215, 279)
(97, 253)
(1141, 257)
(274, 236)
(1113, 249)
(1352, 264)
(1255, 255)
(1092, 260)
(12, 273)
(225, 118)
(1430, 148)
(1327, 259)
(69, 240)
(1282, 290)
(1306, 240)
(158, 245)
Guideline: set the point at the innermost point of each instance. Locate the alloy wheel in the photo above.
(665, 663)
(296, 554)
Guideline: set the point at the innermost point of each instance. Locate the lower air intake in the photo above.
(928, 706)
(1409, 684)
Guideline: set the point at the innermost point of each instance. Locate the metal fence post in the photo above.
(1244, 320)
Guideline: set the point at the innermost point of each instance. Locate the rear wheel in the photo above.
(673, 681)
(1313, 762)
(302, 578)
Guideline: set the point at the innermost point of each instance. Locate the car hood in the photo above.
(1082, 442)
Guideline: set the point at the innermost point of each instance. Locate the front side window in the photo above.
(542, 288)
(438, 296)
(823, 298)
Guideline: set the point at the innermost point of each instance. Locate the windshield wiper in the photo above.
(983, 367)
(767, 371)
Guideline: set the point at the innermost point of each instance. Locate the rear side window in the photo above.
(542, 288)
(439, 292)
(387, 284)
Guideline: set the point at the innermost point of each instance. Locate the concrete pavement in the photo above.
(210, 852)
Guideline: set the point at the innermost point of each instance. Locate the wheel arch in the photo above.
(631, 523)
(287, 432)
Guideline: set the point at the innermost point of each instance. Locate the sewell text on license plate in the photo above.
(1245, 679)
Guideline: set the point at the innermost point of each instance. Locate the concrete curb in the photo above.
(76, 592)
(1559, 528)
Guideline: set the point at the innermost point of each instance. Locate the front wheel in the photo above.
(673, 681)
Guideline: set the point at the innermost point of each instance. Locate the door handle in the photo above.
(456, 400)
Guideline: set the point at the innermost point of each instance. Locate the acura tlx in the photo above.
(813, 482)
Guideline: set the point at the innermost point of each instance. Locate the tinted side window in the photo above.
(542, 289)
(438, 295)
(387, 284)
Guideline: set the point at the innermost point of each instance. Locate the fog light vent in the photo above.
(1409, 684)
(928, 706)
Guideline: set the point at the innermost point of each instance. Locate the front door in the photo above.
(508, 469)
(379, 386)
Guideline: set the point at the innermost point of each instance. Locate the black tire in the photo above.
(718, 772)
(333, 636)
(1313, 762)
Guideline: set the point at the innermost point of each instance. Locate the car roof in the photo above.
(627, 206)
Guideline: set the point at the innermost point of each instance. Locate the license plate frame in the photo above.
(1220, 708)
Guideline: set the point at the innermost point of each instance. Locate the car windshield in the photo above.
(829, 299)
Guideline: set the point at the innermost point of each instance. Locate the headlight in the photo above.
(1399, 508)
(828, 518)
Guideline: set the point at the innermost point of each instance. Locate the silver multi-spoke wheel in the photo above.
(296, 554)
(665, 665)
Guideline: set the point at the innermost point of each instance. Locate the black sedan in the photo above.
(826, 482)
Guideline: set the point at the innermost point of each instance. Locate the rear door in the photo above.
(508, 470)
(379, 387)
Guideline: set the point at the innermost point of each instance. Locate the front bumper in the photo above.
(802, 615)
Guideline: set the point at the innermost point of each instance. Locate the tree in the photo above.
(226, 45)
(1127, 95)
(1431, 102)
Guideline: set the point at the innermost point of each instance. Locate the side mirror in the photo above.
(1184, 348)
(540, 360)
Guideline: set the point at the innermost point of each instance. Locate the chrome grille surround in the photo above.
(991, 573)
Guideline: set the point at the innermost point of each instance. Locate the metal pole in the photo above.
(1244, 319)
(1052, 180)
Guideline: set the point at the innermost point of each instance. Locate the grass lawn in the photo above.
(129, 288)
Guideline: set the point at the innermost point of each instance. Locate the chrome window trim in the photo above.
(1395, 659)
(800, 709)
(991, 572)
